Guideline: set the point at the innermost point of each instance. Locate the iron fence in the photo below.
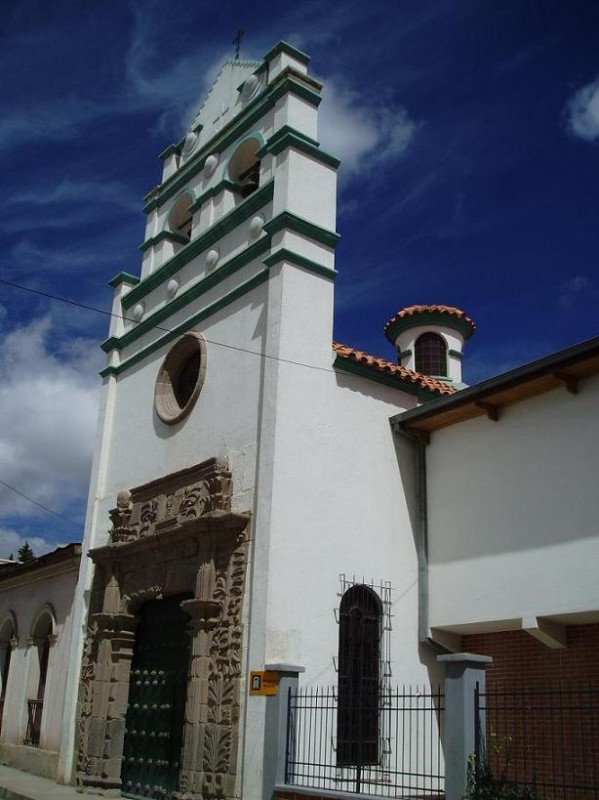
(34, 722)
(541, 743)
(407, 760)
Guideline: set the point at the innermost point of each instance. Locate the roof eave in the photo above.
(477, 400)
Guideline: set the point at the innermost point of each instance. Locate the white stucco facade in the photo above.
(513, 515)
(36, 607)
(308, 445)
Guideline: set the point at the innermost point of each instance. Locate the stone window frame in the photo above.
(166, 405)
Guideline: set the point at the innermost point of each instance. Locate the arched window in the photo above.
(244, 167)
(42, 636)
(7, 634)
(180, 217)
(360, 616)
(431, 354)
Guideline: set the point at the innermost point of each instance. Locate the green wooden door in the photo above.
(157, 692)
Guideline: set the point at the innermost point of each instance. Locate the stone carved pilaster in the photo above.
(103, 694)
(212, 713)
(169, 537)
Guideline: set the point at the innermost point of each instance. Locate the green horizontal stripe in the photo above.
(183, 327)
(227, 269)
(245, 209)
(286, 219)
(299, 261)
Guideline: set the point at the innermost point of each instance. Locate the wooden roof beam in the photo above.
(490, 410)
(570, 382)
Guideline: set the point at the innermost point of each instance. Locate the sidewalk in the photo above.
(17, 785)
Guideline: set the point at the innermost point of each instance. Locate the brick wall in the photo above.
(543, 710)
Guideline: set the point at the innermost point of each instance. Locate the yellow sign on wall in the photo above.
(265, 682)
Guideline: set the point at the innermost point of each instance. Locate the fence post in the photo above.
(462, 672)
(275, 728)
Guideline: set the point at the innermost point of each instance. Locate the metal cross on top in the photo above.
(237, 42)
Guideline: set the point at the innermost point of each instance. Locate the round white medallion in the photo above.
(249, 87)
(138, 312)
(210, 165)
(172, 287)
(256, 226)
(190, 142)
(212, 257)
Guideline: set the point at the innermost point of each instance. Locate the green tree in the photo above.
(25, 553)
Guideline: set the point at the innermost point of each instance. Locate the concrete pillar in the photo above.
(462, 672)
(275, 728)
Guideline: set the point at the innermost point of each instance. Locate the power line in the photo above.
(85, 307)
(237, 348)
(96, 310)
(41, 505)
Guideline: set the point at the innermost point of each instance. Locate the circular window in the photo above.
(180, 378)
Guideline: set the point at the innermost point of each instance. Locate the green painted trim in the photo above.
(230, 133)
(149, 199)
(165, 234)
(455, 354)
(245, 209)
(297, 87)
(183, 327)
(226, 269)
(302, 143)
(288, 220)
(216, 189)
(252, 113)
(280, 134)
(172, 149)
(405, 354)
(428, 318)
(123, 277)
(285, 47)
(299, 261)
(372, 374)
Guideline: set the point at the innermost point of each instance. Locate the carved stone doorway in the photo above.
(174, 536)
(156, 707)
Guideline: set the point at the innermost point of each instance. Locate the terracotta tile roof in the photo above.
(403, 375)
(466, 324)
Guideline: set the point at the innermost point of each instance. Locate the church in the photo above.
(271, 507)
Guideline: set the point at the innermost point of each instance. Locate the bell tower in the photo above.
(209, 359)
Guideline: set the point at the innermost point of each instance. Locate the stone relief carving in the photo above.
(172, 536)
(121, 517)
(180, 497)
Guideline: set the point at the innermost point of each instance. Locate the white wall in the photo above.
(25, 601)
(513, 510)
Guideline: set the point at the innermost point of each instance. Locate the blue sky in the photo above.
(469, 135)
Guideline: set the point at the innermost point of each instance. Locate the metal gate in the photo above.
(157, 693)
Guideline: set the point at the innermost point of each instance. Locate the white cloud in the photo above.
(76, 191)
(48, 405)
(571, 289)
(583, 112)
(11, 542)
(361, 133)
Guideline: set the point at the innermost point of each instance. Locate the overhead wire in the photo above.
(41, 505)
(85, 307)
(105, 313)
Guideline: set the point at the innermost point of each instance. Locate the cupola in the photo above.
(430, 339)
